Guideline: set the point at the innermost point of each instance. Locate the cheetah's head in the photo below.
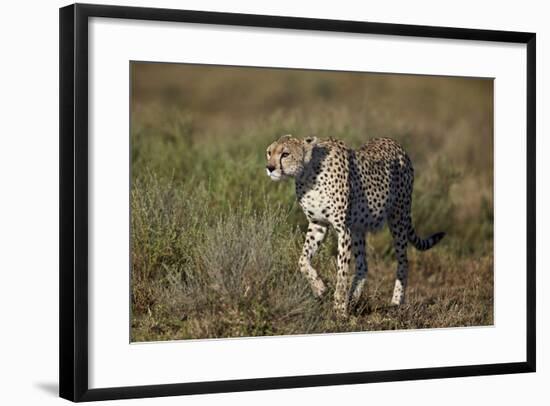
(288, 156)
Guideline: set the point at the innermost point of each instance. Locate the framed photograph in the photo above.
(256, 202)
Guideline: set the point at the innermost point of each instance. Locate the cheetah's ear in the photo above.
(285, 137)
(311, 140)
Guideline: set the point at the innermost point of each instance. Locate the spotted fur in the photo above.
(354, 192)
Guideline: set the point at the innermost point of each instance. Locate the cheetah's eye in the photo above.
(285, 154)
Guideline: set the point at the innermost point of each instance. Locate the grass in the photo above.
(215, 243)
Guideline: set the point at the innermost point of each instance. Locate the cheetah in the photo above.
(354, 192)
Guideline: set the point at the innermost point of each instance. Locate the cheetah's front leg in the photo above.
(315, 235)
(341, 295)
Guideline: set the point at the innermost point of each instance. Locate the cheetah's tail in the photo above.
(424, 244)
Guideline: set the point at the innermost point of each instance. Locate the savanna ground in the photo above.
(215, 243)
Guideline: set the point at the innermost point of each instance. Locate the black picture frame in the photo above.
(73, 254)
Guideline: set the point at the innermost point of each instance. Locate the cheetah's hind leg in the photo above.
(361, 269)
(400, 241)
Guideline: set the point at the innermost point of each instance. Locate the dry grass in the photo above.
(215, 243)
